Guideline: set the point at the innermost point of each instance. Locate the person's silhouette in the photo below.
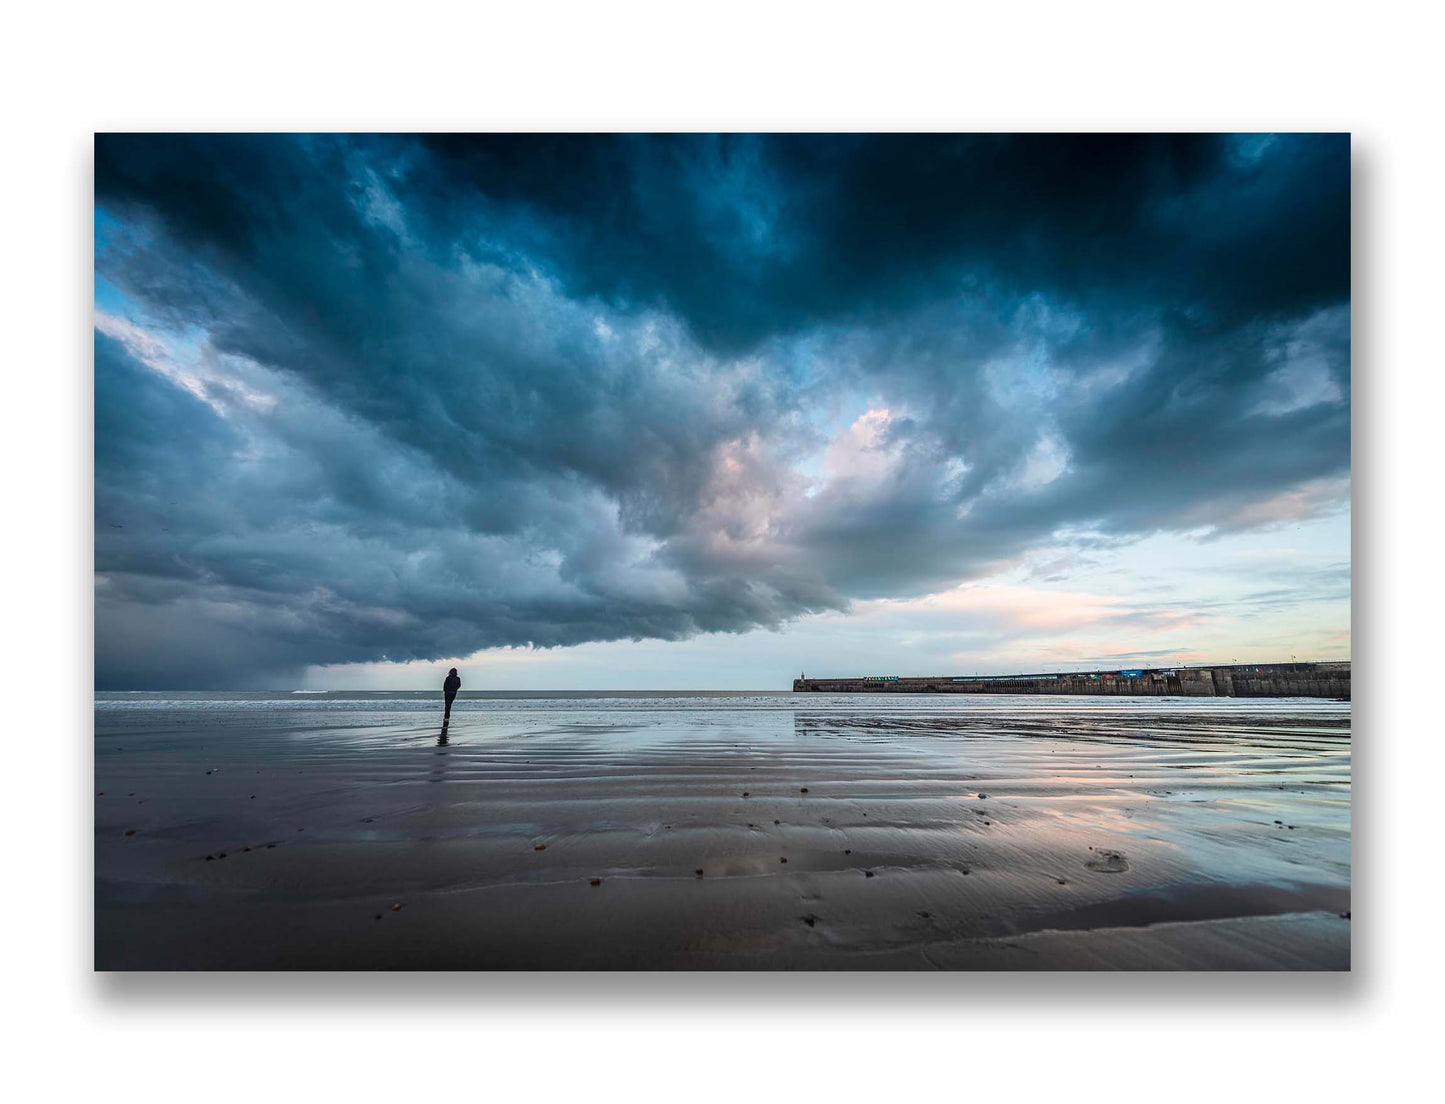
(450, 688)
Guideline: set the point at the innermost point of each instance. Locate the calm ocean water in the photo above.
(262, 701)
(415, 711)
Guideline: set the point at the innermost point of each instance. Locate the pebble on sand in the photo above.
(1108, 862)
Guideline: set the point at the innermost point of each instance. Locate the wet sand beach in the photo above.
(766, 831)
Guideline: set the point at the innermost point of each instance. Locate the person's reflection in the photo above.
(443, 753)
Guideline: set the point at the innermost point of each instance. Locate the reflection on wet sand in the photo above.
(1021, 835)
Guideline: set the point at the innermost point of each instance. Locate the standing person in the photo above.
(450, 688)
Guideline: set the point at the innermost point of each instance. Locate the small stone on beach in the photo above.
(1108, 862)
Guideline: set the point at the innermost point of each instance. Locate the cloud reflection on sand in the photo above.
(1007, 833)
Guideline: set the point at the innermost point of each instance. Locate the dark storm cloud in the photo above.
(405, 398)
(747, 236)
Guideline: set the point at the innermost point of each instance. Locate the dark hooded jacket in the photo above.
(452, 684)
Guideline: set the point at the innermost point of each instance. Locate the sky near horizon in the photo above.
(707, 411)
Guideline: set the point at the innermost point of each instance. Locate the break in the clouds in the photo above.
(366, 399)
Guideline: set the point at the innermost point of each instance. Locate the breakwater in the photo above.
(1235, 680)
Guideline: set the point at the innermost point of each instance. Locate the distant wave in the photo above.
(310, 691)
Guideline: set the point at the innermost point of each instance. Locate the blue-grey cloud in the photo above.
(404, 398)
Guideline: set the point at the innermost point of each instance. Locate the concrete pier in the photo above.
(1240, 680)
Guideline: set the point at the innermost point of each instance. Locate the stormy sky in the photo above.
(702, 411)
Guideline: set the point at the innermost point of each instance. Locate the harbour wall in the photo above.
(1239, 680)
